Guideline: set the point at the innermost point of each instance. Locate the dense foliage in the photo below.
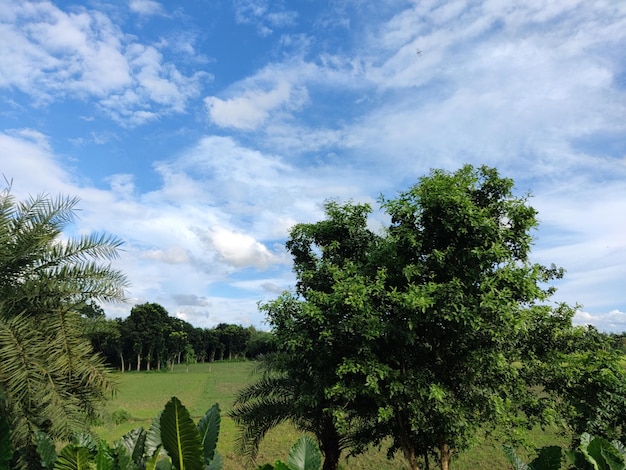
(50, 379)
(150, 338)
(432, 330)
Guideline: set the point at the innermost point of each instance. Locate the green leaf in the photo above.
(134, 441)
(6, 449)
(152, 462)
(279, 465)
(84, 439)
(305, 455)
(209, 429)
(124, 459)
(153, 438)
(104, 457)
(75, 457)
(549, 458)
(164, 464)
(45, 449)
(613, 459)
(217, 463)
(180, 437)
(516, 462)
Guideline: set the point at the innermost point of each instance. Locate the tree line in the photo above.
(150, 338)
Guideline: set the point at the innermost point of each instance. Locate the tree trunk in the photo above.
(122, 361)
(138, 362)
(329, 442)
(405, 442)
(411, 457)
(445, 455)
(331, 460)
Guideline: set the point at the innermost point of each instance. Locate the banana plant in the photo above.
(173, 442)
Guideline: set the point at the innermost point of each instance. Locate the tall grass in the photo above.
(142, 395)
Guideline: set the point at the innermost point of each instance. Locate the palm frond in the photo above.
(50, 378)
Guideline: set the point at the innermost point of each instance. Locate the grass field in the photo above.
(143, 395)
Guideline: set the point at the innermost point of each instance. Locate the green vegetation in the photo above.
(50, 379)
(426, 333)
(144, 394)
(149, 338)
(173, 442)
(432, 341)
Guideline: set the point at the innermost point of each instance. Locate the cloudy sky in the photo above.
(199, 132)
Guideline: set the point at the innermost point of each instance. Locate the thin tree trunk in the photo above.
(122, 361)
(445, 455)
(411, 458)
(405, 442)
(138, 362)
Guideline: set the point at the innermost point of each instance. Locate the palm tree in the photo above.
(50, 378)
(287, 393)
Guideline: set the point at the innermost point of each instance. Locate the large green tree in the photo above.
(461, 289)
(440, 326)
(315, 332)
(146, 330)
(50, 378)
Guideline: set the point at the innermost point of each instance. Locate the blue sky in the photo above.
(200, 132)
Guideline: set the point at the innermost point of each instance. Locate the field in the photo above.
(142, 395)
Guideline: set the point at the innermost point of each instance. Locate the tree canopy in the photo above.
(437, 327)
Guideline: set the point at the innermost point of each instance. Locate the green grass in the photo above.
(143, 395)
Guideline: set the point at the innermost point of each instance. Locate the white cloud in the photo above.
(172, 255)
(28, 161)
(265, 15)
(191, 300)
(54, 54)
(146, 7)
(613, 321)
(237, 249)
(252, 108)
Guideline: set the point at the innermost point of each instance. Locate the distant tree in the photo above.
(176, 344)
(50, 379)
(146, 328)
(213, 346)
(234, 338)
(260, 343)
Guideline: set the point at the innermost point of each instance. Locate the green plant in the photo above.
(120, 416)
(173, 442)
(592, 453)
(304, 455)
(6, 452)
(50, 378)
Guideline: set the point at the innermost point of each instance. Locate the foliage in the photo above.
(50, 379)
(6, 451)
(172, 442)
(436, 328)
(314, 333)
(592, 453)
(304, 455)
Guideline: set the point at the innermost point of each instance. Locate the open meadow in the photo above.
(142, 395)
